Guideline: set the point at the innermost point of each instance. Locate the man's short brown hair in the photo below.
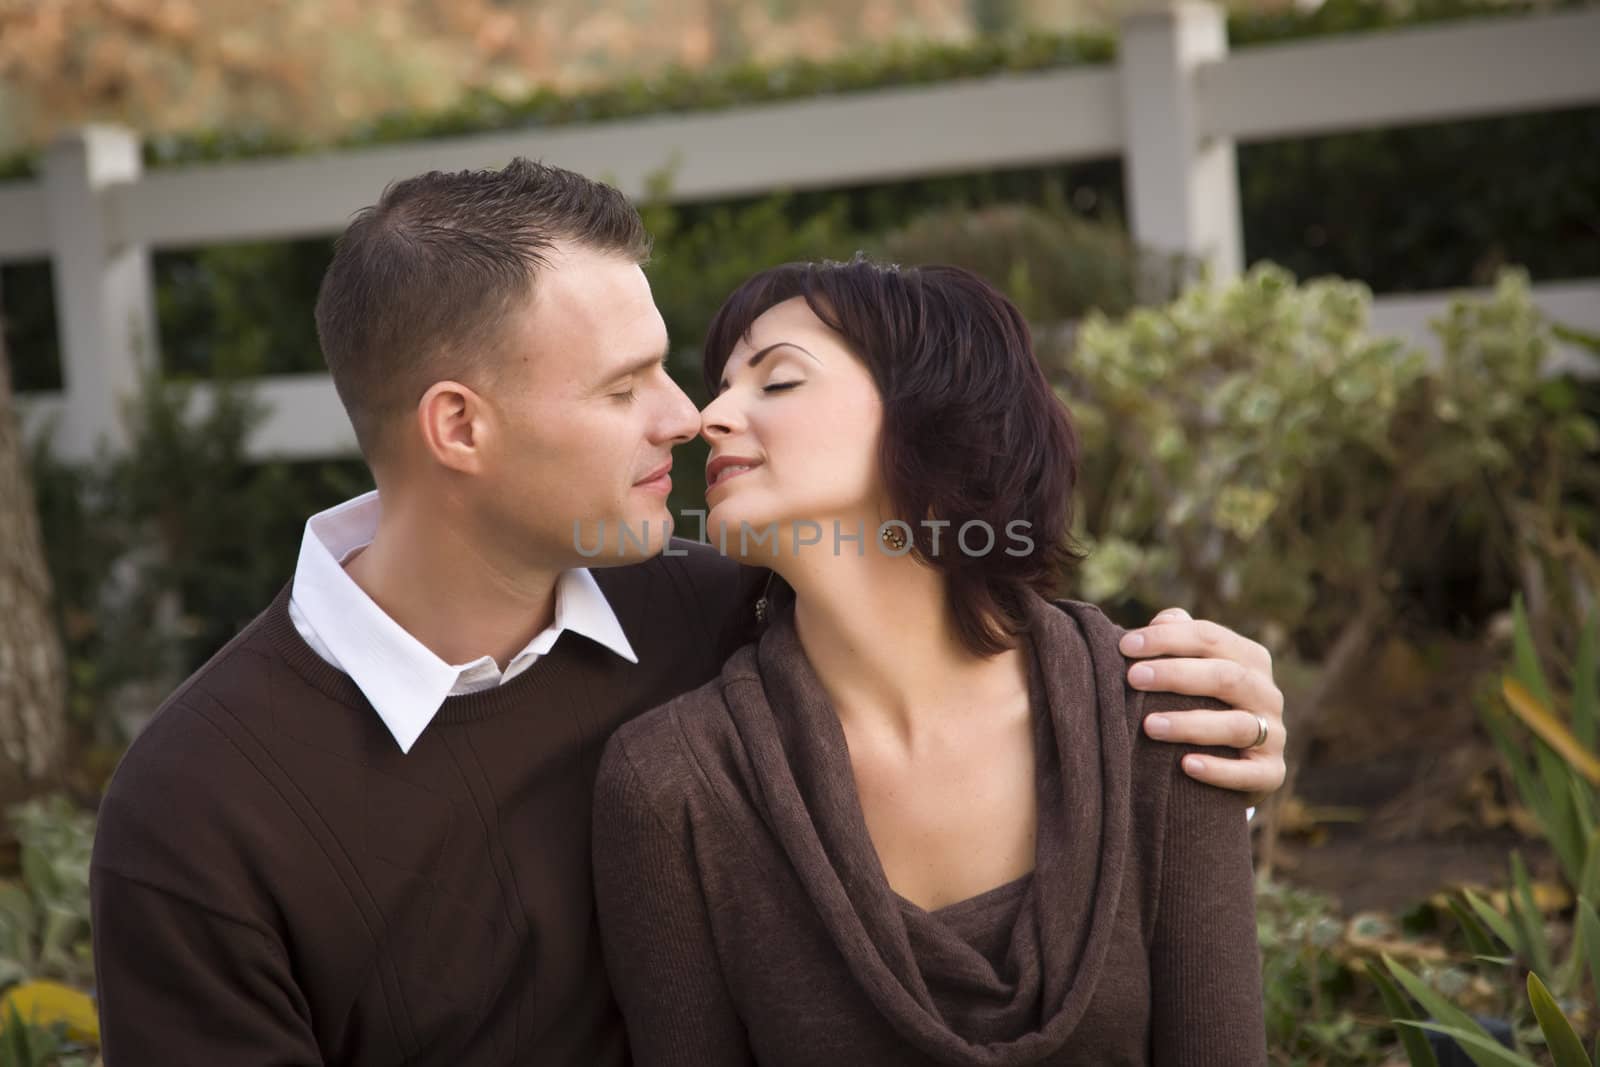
(421, 282)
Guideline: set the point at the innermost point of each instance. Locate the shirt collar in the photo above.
(404, 680)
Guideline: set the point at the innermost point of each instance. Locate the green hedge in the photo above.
(680, 89)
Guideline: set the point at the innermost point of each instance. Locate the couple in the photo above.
(904, 809)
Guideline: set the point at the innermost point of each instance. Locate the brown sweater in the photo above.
(275, 882)
(746, 919)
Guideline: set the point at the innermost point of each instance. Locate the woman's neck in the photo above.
(882, 638)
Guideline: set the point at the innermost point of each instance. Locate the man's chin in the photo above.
(625, 539)
(648, 534)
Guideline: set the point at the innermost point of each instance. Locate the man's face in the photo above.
(588, 413)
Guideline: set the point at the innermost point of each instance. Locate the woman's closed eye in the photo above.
(778, 387)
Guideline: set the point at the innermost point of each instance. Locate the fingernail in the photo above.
(1133, 644)
(1158, 726)
(1141, 675)
(1193, 764)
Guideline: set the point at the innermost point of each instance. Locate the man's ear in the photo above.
(455, 425)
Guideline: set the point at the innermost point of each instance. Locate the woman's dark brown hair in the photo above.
(972, 431)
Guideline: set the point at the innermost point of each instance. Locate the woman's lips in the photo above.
(724, 469)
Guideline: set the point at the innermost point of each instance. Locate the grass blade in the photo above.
(1495, 921)
(14, 1040)
(1418, 1051)
(1433, 1002)
(1482, 1049)
(1530, 920)
(1557, 759)
(1589, 932)
(1479, 940)
(1583, 799)
(1524, 656)
(1529, 788)
(1536, 715)
(1558, 1033)
(1588, 886)
(1586, 684)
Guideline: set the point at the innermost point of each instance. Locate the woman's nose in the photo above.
(719, 418)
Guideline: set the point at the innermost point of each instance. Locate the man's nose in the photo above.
(681, 421)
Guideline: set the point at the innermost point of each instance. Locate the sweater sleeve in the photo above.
(180, 983)
(1205, 962)
(190, 966)
(656, 932)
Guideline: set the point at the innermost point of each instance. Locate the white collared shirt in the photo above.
(402, 679)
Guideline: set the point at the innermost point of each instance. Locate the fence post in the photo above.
(1183, 189)
(105, 308)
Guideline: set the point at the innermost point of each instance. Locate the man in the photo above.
(360, 834)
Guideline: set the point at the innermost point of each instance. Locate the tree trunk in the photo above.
(33, 690)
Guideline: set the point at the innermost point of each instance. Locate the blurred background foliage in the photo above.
(1367, 508)
(1402, 209)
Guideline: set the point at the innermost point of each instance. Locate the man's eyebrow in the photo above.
(637, 366)
(755, 360)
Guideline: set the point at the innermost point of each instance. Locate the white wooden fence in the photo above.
(1173, 106)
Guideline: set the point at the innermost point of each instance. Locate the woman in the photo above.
(916, 822)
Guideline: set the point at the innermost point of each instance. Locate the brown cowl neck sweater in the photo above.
(746, 919)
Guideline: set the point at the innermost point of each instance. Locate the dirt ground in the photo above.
(1402, 794)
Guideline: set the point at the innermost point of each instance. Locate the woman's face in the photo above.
(794, 432)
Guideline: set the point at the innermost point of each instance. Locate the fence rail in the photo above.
(1414, 75)
(1172, 106)
(304, 419)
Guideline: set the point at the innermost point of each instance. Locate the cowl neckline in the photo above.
(936, 990)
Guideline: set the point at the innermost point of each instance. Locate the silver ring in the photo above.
(1261, 735)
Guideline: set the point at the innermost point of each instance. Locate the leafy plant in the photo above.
(159, 555)
(1052, 263)
(1482, 1047)
(28, 1044)
(67, 1012)
(1517, 448)
(1558, 783)
(1315, 1008)
(44, 918)
(1256, 453)
(1240, 459)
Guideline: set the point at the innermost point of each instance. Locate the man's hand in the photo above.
(1213, 661)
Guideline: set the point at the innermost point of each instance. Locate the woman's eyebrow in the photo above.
(755, 360)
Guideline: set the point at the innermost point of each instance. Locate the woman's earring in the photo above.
(893, 537)
(763, 602)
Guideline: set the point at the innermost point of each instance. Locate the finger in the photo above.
(1220, 679)
(1169, 615)
(1234, 729)
(1197, 638)
(1256, 776)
